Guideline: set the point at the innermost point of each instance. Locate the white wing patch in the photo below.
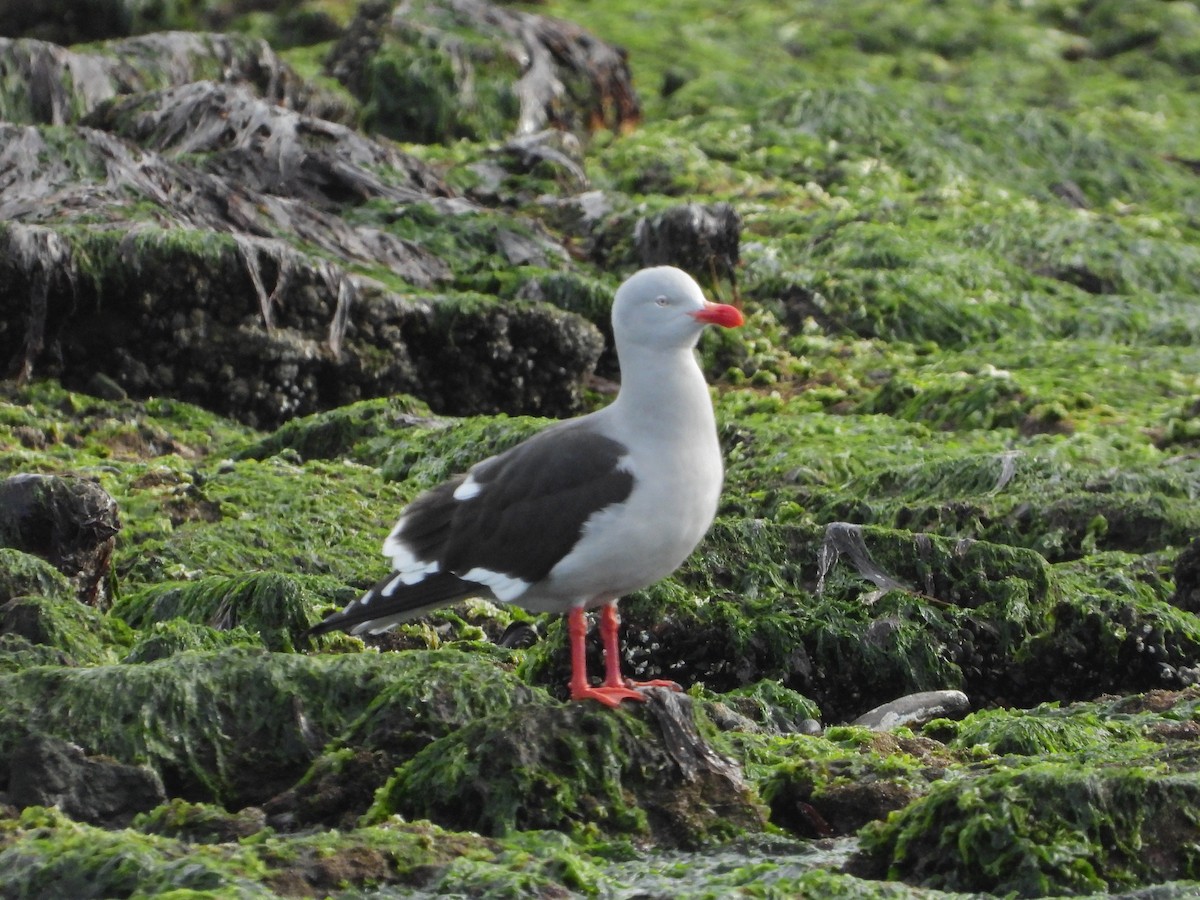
(378, 626)
(625, 464)
(505, 587)
(410, 569)
(468, 489)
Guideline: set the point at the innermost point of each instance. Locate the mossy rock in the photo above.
(448, 71)
(1035, 733)
(835, 783)
(1113, 631)
(200, 823)
(44, 853)
(83, 635)
(1047, 828)
(331, 517)
(38, 609)
(577, 768)
(160, 640)
(1061, 508)
(346, 432)
(895, 613)
(771, 706)
(239, 726)
(416, 95)
(25, 575)
(277, 607)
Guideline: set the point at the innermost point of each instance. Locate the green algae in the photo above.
(83, 635)
(160, 640)
(25, 575)
(239, 726)
(169, 852)
(834, 783)
(1040, 732)
(199, 823)
(1046, 828)
(45, 428)
(772, 706)
(904, 612)
(422, 458)
(256, 508)
(348, 432)
(429, 94)
(276, 607)
(47, 855)
(41, 621)
(496, 778)
(580, 769)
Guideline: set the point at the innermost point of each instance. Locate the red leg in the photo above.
(610, 622)
(608, 694)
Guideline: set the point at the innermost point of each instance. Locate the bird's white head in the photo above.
(664, 307)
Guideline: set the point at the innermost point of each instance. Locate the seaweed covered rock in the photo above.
(848, 616)
(207, 170)
(60, 630)
(296, 335)
(69, 522)
(646, 773)
(834, 785)
(25, 575)
(53, 85)
(240, 726)
(440, 70)
(1187, 578)
(272, 149)
(1045, 829)
(273, 606)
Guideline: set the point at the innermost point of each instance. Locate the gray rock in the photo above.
(700, 238)
(915, 709)
(437, 70)
(69, 522)
(1187, 578)
(48, 771)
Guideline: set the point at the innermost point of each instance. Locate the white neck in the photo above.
(663, 392)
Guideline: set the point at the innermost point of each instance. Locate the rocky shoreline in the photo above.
(270, 270)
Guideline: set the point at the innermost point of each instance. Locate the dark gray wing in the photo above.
(516, 515)
(532, 503)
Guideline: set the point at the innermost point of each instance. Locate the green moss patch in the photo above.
(240, 726)
(580, 768)
(1048, 828)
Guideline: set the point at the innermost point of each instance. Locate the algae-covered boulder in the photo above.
(69, 522)
(25, 575)
(296, 336)
(440, 70)
(1047, 829)
(645, 773)
(53, 85)
(239, 726)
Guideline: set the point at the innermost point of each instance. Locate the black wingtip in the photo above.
(437, 589)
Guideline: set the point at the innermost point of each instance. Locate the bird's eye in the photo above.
(662, 300)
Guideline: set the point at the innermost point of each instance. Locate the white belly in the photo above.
(634, 544)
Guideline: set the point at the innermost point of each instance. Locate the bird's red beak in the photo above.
(720, 314)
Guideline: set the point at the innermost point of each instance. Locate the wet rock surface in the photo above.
(69, 522)
(427, 72)
(49, 772)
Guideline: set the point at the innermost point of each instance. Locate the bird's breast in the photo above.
(628, 546)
